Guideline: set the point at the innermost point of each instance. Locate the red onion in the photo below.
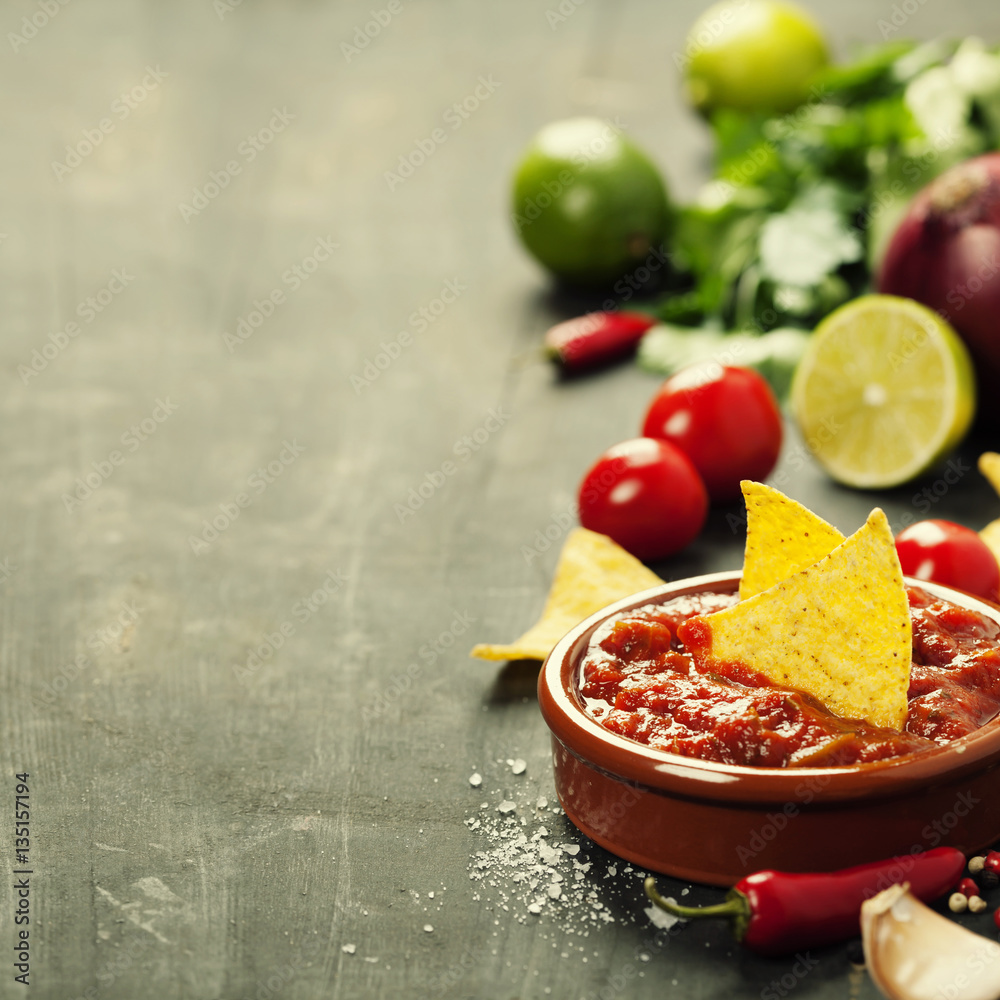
(946, 254)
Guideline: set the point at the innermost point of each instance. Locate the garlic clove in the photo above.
(913, 953)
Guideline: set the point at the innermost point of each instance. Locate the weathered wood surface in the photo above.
(210, 825)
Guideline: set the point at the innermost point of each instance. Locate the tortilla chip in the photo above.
(991, 536)
(783, 537)
(989, 466)
(592, 572)
(838, 630)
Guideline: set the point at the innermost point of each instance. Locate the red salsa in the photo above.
(638, 679)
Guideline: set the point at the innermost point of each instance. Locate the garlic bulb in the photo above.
(913, 953)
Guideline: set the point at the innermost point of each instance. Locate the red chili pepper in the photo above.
(777, 913)
(596, 339)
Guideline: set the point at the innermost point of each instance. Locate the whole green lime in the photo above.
(752, 55)
(588, 204)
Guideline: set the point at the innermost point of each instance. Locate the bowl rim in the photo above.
(674, 774)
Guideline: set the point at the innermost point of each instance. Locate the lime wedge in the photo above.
(884, 389)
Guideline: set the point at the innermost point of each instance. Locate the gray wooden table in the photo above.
(233, 660)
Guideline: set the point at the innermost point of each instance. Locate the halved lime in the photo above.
(884, 390)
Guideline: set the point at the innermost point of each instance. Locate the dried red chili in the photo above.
(777, 913)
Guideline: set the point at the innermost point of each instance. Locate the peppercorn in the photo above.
(968, 888)
(976, 904)
(976, 864)
(958, 902)
(989, 879)
(856, 953)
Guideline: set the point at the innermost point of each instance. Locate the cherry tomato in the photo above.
(646, 495)
(949, 553)
(726, 420)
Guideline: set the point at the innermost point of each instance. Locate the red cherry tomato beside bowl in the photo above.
(646, 495)
(950, 554)
(726, 420)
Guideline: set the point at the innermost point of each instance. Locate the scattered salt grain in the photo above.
(523, 876)
(660, 918)
(429, 928)
(348, 949)
(518, 766)
(476, 780)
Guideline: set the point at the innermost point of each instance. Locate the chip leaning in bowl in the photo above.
(826, 658)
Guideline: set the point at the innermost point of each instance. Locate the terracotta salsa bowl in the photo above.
(708, 822)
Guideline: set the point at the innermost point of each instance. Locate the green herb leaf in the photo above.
(666, 349)
(809, 240)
